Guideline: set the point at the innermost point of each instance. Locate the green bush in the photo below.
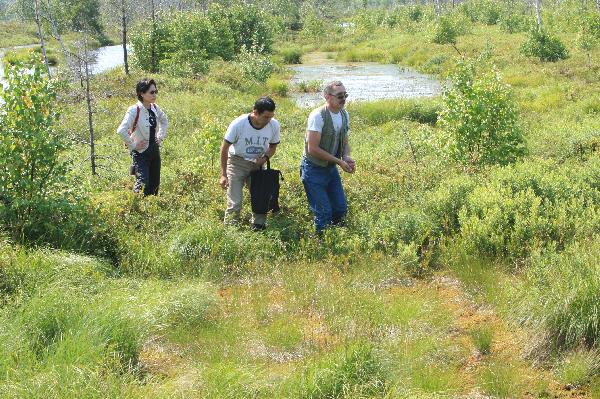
(292, 55)
(435, 65)
(445, 31)
(444, 204)
(544, 46)
(530, 206)
(480, 117)
(27, 126)
(277, 87)
(512, 22)
(255, 65)
(181, 43)
(36, 204)
(583, 146)
(415, 13)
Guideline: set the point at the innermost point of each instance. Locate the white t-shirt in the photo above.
(248, 142)
(316, 123)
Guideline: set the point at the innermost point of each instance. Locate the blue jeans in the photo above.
(325, 194)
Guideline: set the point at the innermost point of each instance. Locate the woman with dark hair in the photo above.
(143, 129)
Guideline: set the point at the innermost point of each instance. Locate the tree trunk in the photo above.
(538, 14)
(58, 37)
(88, 99)
(38, 22)
(153, 41)
(124, 28)
(598, 6)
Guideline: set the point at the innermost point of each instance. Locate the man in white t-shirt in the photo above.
(326, 146)
(250, 141)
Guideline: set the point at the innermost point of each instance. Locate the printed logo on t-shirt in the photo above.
(254, 150)
(255, 145)
(256, 140)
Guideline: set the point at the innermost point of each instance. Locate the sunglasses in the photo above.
(153, 91)
(340, 96)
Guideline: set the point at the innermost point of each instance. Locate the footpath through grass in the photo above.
(338, 328)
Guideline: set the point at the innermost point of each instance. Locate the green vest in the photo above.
(327, 142)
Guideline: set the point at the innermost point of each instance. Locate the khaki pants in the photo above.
(238, 172)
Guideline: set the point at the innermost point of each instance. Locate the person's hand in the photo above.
(224, 182)
(350, 162)
(260, 162)
(345, 167)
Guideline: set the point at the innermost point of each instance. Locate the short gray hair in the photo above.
(329, 86)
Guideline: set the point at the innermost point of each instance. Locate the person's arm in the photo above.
(313, 141)
(346, 156)
(163, 124)
(123, 129)
(224, 181)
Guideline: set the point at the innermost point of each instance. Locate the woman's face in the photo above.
(150, 95)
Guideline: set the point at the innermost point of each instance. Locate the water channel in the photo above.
(106, 58)
(365, 81)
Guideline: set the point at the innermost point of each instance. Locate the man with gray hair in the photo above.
(325, 146)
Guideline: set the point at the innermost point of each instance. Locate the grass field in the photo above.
(445, 283)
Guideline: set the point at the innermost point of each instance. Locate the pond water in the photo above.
(107, 57)
(365, 81)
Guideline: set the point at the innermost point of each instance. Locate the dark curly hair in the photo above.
(143, 86)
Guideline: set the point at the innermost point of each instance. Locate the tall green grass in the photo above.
(560, 296)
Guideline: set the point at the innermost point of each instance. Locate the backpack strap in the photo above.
(135, 122)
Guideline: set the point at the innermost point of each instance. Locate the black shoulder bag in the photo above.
(264, 189)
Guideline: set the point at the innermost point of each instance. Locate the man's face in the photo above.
(263, 118)
(337, 96)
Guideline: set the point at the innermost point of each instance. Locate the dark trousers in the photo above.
(147, 170)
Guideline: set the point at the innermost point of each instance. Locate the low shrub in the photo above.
(13, 57)
(583, 146)
(228, 246)
(277, 87)
(544, 46)
(309, 86)
(435, 65)
(378, 112)
(445, 32)
(511, 22)
(228, 74)
(255, 66)
(443, 205)
(292, 55)
(524, 208)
